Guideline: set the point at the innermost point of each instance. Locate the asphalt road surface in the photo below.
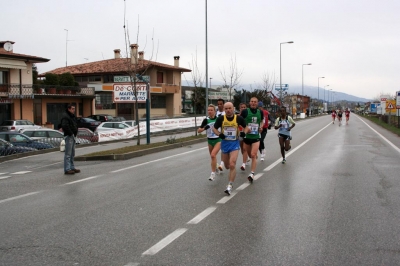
(335, 202)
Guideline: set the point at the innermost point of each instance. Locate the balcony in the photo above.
(30, 91)
(168, 88)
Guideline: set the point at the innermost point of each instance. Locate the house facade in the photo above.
(21, 99)
(106, 76)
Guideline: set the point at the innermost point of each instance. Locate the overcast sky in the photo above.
(354, 44)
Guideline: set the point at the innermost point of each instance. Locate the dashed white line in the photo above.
(21, 172)
(227, 198)
(202, 215)
(165, 242)
(161, 159)
(5, 177)
(81, 180)
(20, 196)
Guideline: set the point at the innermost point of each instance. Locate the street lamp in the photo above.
(302, 83)
(318, 92)
(206, 64)
(66, 48)
(280, 69)
(329, 93)
(324, 98)
(210, 82)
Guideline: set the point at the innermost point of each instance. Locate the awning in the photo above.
(14, 64)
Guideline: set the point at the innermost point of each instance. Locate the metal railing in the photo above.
(29, 90)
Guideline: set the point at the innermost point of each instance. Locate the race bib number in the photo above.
(210, 131)
(253, 128)
(230, 133)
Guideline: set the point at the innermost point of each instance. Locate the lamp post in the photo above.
(318, 92)
(324, 99)
(280, 69)
(302, 83)
(206, 64)
(329, 93)
(66, 48)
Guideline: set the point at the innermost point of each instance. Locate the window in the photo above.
(3, 77)
(94, 78)
(160, 77)
(108, 79)
(158, 101)
(104, 101)
(28, 133)
(53, 134)
(40, 134)
(108, 125)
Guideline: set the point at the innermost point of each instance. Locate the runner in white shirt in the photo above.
(220, 112)
(284, 123)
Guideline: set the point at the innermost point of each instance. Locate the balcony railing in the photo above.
(17, 91)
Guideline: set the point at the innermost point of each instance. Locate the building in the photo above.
(107, 76)
(21, 99)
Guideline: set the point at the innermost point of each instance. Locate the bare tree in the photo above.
(232, 78)
(268, 81)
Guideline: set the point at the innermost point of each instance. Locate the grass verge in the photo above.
(383, 124)
(170, 140)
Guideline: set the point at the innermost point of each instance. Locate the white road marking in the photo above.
(227, 198)
(243, 186)
(4, 177)
(3, 173)
(46, 165)
(165, 242)
(385, 139)
(132, 264)
(165, 158)
(21, 172)
(20, 196)
(202, 215)
(295, 149)
(81, 180)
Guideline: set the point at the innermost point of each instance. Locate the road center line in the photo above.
(161, 159)
(81, 180)
(295, 149)
(20, 196)
(385, 139)
(227, 198)
(5, 177)
(202, 215)
(165, 242)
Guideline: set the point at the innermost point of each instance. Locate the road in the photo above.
(335, 202)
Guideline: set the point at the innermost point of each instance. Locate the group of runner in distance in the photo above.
(339, 115)
(246, 131)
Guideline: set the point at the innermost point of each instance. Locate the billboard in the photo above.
(125, 93)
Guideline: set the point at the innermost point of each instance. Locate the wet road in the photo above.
(335, 202)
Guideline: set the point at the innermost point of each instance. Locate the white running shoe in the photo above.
(212, 176)
(243, 167)
(251, 177)
(220, 168)
(228, 189)
(262, 156)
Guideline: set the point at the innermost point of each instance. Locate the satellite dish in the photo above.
(8, 46)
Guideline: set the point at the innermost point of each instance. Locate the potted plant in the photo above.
(52, 81)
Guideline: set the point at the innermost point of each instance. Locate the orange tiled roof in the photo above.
(115, 65)
(34, 59)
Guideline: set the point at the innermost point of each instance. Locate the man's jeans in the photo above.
(69, 153)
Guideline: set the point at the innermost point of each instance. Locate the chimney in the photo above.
(176, 61)
(141, 55)
(117, 53)
(134, 53)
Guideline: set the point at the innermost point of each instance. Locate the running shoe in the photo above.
(217, 170)
(283, 161)
(262, 156)
(212, 176)
(228, 189)
(243, 167)
(251, 177)
(220, 168)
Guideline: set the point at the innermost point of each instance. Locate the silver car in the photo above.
(17, 125)
(51, 136)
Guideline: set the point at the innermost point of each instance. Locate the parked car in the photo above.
(51, 136)
(88, 122)
(19, 139)
(131, 123)
(6, 148)
(119, 119)
(85, 133)
(102, 118)
(17, 125)
(112, 125)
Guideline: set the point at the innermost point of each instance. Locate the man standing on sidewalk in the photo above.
(70, 129)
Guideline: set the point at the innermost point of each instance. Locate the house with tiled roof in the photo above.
(108, 75)
(41, 104)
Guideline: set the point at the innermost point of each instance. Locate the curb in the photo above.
(143, 152)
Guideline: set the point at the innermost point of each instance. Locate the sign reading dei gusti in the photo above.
(125, 93)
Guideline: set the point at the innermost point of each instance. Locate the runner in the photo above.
(229, 124)
(333, 116)
(347, 114)
(220, 112)
(264, 129)
(284, 123)
(214, 142)
(246, 160)
(340, 115)
(255, 120)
